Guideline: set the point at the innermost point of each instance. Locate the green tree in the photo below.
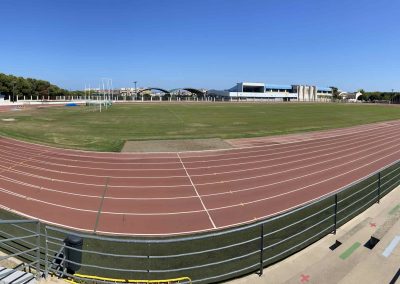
(335, 93)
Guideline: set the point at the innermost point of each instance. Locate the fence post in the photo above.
(336, 203)
(46, 254)
(261, 249)
(379, 187)
(38, 251)
(148, 261)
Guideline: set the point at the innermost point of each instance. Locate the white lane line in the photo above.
(93, 196)
(213, 194)
(24, 197)
(221, 181)
(236, 153)
(6, 169)
(282, 152)
(289, 143)
(372, 141)
(301, 188)
(298, 168)
(290, 162)
(195, 189)
(122, 156)
(100, 232)
(165, 234)
(121, 160)
(44, 202)
(299, 177)
(210, 166)
(318, 143)
(391, 247)
(205, 210)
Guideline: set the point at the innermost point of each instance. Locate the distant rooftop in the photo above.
(277, 87)
(324, 89)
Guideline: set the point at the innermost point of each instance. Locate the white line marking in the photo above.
(217, 173)
(194, 211)
(248, 221)
(304, 166)
(215, 182)
(157, 234)
(301, 188)
(313, 173)
(354, 141)
(122, 156)
(391, 247)
(195, 189)
(212, 194)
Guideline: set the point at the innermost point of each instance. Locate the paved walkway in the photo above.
(352, 261)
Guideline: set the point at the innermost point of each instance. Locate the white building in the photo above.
(251, 91)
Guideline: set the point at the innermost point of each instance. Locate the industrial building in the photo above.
(261, 91)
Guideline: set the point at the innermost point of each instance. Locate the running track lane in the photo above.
(180, 193)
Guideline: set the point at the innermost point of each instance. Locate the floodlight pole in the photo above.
(135, 90)
(112, 90)
(392, 99)
(104, 93)
(13, 91)
(237, 92)
(108, 93)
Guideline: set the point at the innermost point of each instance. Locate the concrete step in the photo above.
(353, 260)
(13, 276)
(382, 264)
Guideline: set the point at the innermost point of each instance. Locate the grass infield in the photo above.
(82, 128)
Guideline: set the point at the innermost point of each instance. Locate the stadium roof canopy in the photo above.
(191, 90)
(153, 88)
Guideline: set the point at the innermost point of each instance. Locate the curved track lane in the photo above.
(180, 193)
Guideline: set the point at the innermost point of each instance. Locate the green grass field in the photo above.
(77, 127)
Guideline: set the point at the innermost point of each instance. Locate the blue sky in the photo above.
(203, 43)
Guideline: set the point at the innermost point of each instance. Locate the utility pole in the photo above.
(392, 99)
(13, 100)
(237, 91)
(135, 82)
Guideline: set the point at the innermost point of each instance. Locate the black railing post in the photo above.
(336, 203)
(379, 187)
(148, 261)
(261, 249)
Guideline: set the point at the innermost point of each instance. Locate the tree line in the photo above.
(14, 87)
(381, 96)
(393, 97)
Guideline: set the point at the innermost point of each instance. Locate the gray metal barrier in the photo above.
(20, 239)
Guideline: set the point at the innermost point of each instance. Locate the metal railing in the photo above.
(20, 239)
(220, 255)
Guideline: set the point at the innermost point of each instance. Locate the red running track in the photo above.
(181, 193)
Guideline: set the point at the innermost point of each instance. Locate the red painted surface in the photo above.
(304, 278)
(171, 193)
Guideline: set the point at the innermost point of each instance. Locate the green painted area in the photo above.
(350, 250)
(82, 128)
(394, 210)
